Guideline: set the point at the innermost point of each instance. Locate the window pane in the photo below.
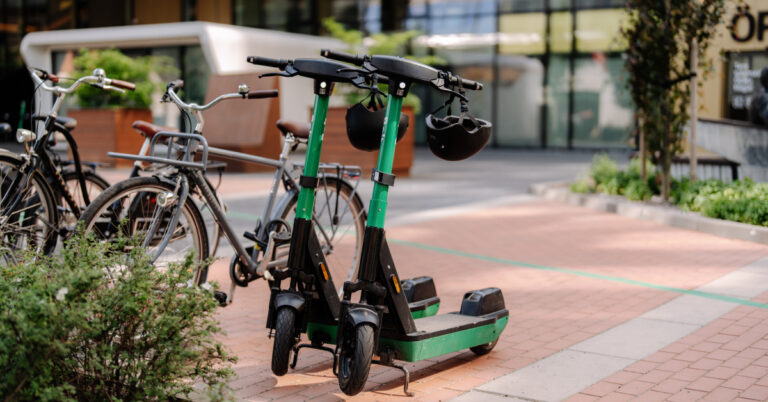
(603, 111)
(743, 82)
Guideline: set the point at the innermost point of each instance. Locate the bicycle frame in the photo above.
(194, 171)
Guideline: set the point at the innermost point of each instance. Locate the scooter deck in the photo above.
(441, 334)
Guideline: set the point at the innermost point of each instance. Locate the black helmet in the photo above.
(764, 77)
(455, 138)
(365, 125)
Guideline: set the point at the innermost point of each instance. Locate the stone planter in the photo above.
(336, 146)
(103, 130)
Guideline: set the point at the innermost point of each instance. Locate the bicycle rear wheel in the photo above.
(339, 221)
(129, 209)
(28, 217)
(94, 185)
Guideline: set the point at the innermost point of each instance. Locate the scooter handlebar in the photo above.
(341, 56)
(266, 61)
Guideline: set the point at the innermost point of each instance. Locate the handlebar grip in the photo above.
(123, 84)
(341, 56)
(266, 61)
(469, 84)
(176, 85)
(266, 93)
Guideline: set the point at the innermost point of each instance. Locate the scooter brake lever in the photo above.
(280, 74)
(452, 92)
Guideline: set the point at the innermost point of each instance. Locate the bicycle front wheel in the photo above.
(28, 216)
(129, 209)
(339, 222)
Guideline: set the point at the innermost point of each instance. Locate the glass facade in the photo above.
(553, 68)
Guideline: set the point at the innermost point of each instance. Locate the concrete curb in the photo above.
(559, 191)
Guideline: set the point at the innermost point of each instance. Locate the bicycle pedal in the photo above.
(220, 297)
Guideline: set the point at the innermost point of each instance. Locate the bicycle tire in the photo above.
(46, 242)
(355, 364)
(126, 200)
(346, 254)
(285, 339)
(212, 228)
(90, 177)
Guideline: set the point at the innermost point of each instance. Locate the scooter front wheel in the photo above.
(285, 339)
(355, 360)
(485, 348)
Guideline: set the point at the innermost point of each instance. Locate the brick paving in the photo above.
(549, 310)
(725, 360)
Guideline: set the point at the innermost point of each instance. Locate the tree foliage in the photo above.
(658, 60)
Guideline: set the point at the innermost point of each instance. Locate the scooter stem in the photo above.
(312, 162)
(377, 209)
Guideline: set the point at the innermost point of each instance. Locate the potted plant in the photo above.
(336, 147)
(105, 117)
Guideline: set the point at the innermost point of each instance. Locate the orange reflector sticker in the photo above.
(325, 271)
(396, 283)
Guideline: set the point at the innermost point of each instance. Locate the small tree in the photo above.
(660, 39)
(117, 65)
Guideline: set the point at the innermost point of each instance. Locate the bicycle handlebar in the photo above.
(266, 61)
(261, 94)
(121, 84)
(39, 76)
(345, 57)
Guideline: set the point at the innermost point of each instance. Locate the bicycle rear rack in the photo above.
(172, 144)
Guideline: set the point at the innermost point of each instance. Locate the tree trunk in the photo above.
(643, 152)
(666, 156)
(694, 106)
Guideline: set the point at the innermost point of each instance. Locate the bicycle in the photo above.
(159, 210)
(37, 205)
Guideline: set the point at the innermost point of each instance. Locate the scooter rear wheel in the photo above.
(355, 361)
(485, 348)
(285, 339)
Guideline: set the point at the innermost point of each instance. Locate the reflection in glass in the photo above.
(603, 112)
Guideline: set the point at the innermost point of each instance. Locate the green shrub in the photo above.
(582, 186)
(602, 169)
(638, 190)
(122, 67)
(90, 324)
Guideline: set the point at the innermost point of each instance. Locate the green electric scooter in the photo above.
(310, 302)
(380, 322)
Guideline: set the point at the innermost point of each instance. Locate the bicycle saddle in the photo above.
(148, 129)
(298, 129)
(68, 122)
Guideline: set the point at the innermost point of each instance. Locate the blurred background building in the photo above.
(553, 68)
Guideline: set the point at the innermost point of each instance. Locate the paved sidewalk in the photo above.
(571, 278)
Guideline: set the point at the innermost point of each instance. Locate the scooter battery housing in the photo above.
(419, 288)
(482, 301)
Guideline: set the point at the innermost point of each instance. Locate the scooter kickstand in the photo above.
(401, 368)
(307, 345)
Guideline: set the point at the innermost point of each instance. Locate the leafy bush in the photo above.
(603, 169)
(122, 67)
(582, 186)
(91, 324)
(638, 190)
